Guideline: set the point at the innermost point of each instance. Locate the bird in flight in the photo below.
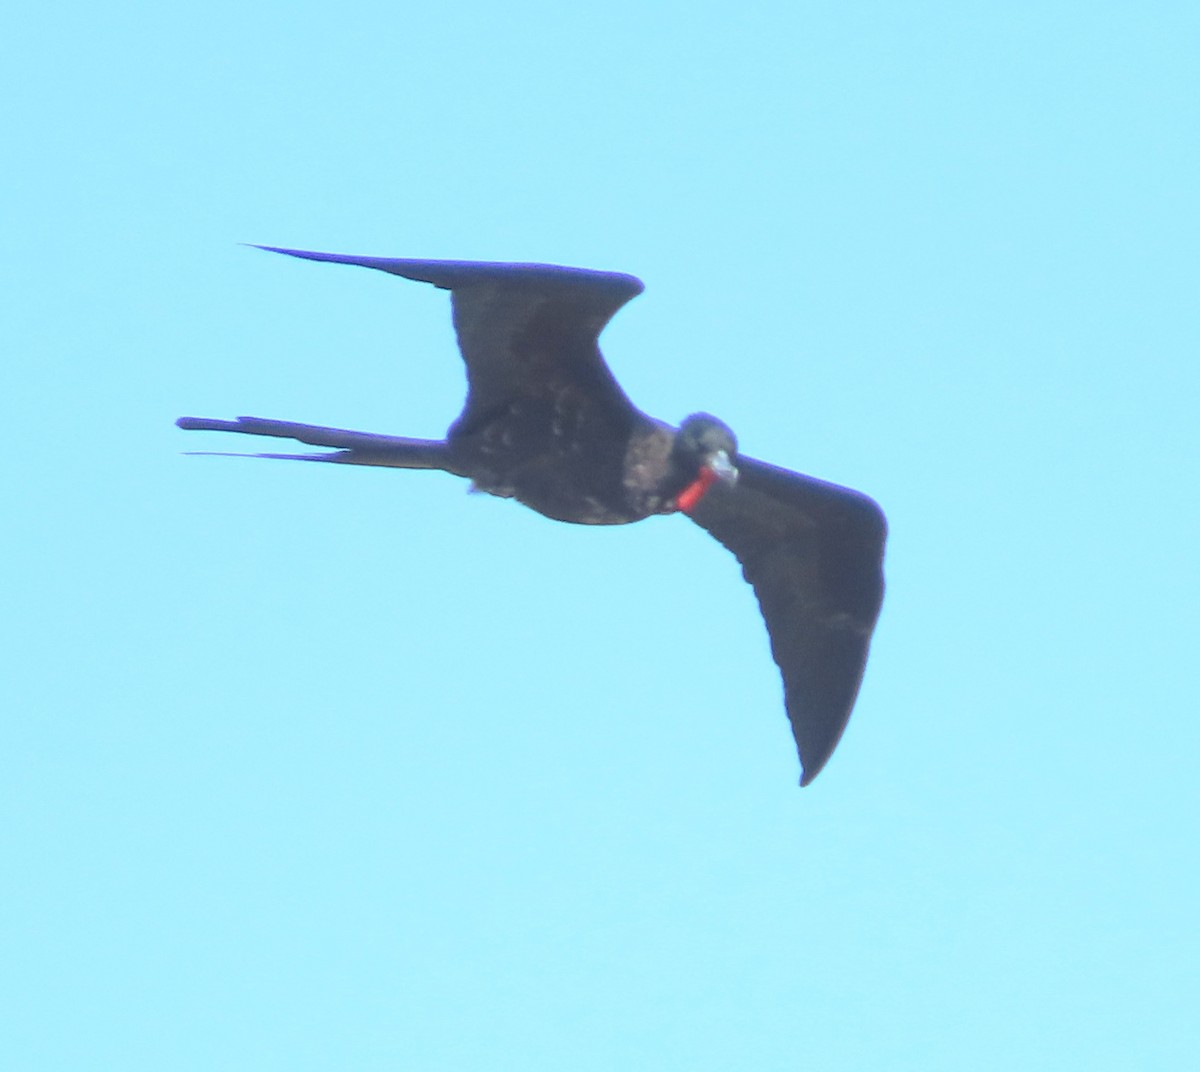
(546, 423)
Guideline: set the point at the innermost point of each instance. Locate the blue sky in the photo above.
(312, 768)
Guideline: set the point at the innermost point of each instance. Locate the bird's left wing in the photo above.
(814, 554)
(526, 331)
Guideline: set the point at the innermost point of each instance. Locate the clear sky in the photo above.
(308, 768)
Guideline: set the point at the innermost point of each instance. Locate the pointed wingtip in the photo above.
(307, 254)
(327, 258)
(809, 771)
(451, 274)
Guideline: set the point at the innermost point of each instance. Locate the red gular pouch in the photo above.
(695, 491)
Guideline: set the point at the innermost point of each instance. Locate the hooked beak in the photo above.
(716, 467)
(722, 467)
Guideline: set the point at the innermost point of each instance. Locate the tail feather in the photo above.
(351, 448)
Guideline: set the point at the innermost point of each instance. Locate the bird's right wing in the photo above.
(814, 554)
(526, 331)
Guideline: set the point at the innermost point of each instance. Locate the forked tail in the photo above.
(351, 448)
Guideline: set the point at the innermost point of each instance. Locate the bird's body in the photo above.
(546, 423)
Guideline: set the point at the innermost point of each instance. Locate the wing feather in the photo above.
(526, 331)
(813, 553)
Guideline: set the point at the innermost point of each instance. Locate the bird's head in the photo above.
(704, 451)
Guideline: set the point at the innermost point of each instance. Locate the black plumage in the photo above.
(545, 422)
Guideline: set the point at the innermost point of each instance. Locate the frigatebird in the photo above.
(546, 423)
